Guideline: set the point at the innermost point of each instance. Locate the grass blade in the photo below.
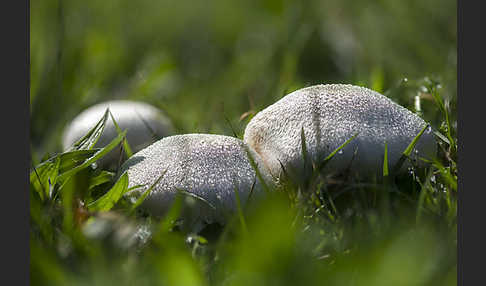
(126, 146)
(330, 156)
(257, 171)
(44, 176)
(408, 150)
(170, 218)
(145, 193)
(99, 154)
(108, 200)
(442, 137)
(102, 178)
(73, 158)
(410, 147)
(240, 211)
(197, 197)
(89, 140)
(423, 193)
(305, 155)
(442, 107)
(155, 137)
(446, 174)
(231, 126)
(250, 195)
(385, 161)
(40, 189)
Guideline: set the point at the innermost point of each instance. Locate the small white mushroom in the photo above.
(207, 166)
(330, 115)
(144, 123)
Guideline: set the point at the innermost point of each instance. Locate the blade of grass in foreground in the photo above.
(408, 150)
(199, 198)
(146, 193)
(73, 158)
(333, 153)
(44, 177)
(102, 152)
(101, 178)
(387, 183)
(385, 162)
(108, 200)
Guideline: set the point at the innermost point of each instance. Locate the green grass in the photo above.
(211, 66)
(332, 230)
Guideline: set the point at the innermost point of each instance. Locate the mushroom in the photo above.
(144, 124)
(329, 115)
(209, 168)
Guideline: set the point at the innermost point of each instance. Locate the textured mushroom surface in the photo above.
(208, 166)
(330, 115)
(144, 123)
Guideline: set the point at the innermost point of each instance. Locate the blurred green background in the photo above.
(207, 62)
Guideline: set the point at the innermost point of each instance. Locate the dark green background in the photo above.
(202, 61)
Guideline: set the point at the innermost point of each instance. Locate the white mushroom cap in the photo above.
(141, 120)
(209, 166)
(330, 115)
